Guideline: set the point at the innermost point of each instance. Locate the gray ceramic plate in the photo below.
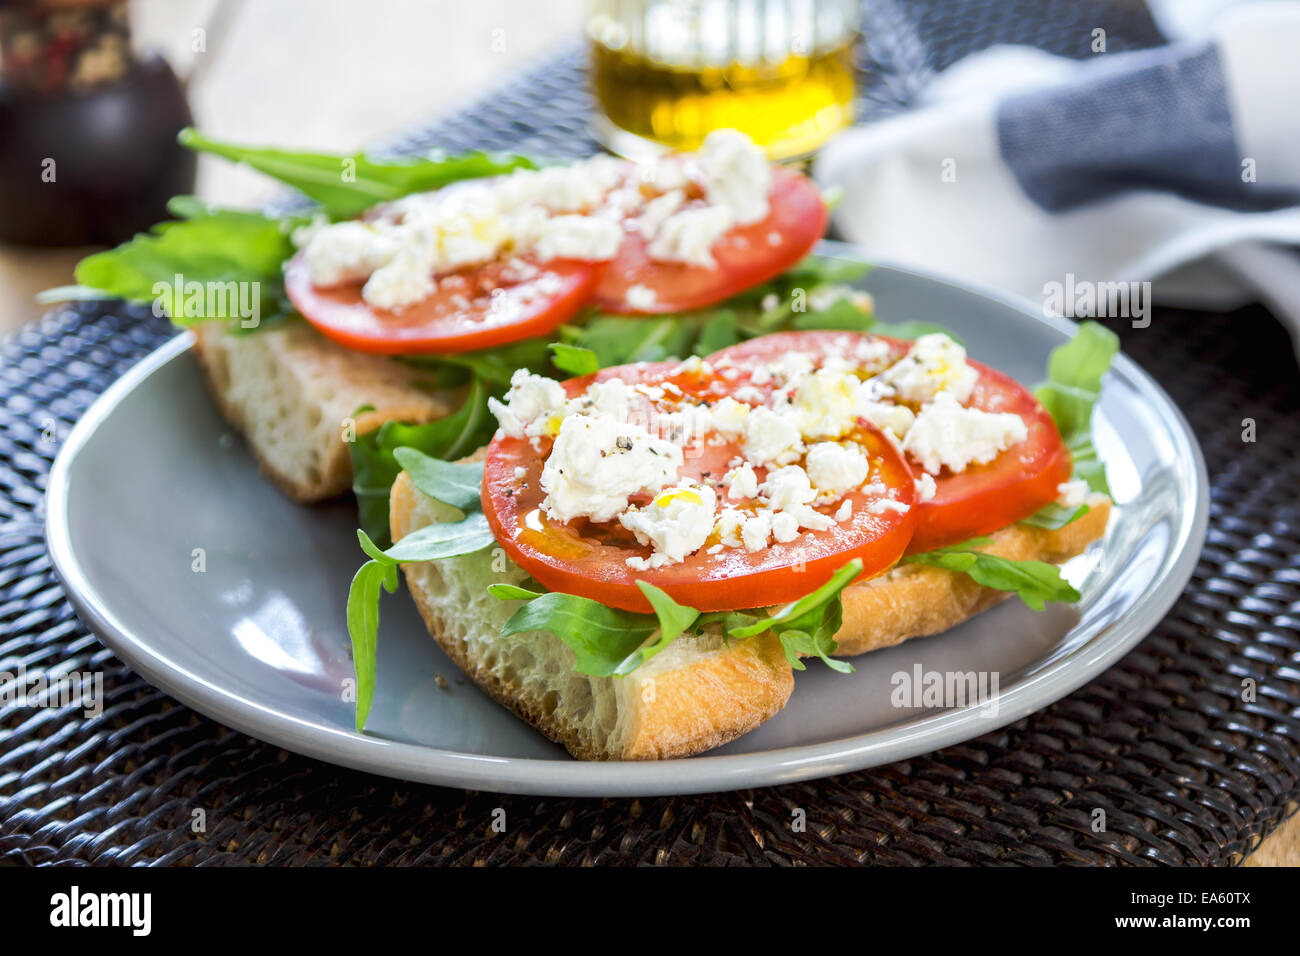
(257, 640)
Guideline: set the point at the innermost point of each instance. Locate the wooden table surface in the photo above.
(341, 77)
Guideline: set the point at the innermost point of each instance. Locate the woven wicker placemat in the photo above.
(1186, 768)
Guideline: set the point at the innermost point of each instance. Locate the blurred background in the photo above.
(333, 75)
(1005, 142)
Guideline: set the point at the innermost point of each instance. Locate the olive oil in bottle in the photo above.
(666, 72)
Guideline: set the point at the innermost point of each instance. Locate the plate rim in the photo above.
(577, 778)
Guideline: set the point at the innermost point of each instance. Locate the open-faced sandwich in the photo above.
(638, 453)
(641, 557)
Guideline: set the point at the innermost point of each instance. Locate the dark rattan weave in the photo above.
(1186, 771)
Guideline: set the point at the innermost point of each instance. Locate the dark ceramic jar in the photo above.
(88, 150)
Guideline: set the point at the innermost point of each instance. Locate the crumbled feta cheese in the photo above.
(532, 407)
(403, 280)
(881, 505)
(676, 524)
(925, 487)
(834, 469)
(347, 251)
(662, 174)
(597, 464)
(947, 435)
(728, 527)
(427, 234)
(1072, 493)
(771, 439)
(694, 366)
(742, 483)
(641, 297)
(728, 417)
(896, 419)
(787, 488)
(824, 401)
(934, 364)
(789, 369)
(520, 472)
(566, 188)
(756, 531)
(785, 527)
(608, 399)
(574, 237)
(688, 236)
(736, 175)
(657, 211)
(845, 511)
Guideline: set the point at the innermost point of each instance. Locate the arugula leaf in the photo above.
(374, 462)
(573, 359)
(434, 541)
(1074, 373)
(1036, 582)
(495, 366)
(1054, 516)
(512, 592)
(807, 612)
(211, 246)
(673, 619)
(444, 540)
(840, 315)
(620, 340)
(797, 644)
(363, 628)
(458, 485)
(346, 185)
(718, 333)
(602, 637)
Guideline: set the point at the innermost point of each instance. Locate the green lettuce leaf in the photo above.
(458, 485)
(609, 642)
(1074, 373)
(805, 614)
(344, 186)
(1054, 516)
(573, 360)
(217, 246)
(673, 620)
(601, 637)
(1035, 582)
(374, 462)
(448, 483)
(363, 627)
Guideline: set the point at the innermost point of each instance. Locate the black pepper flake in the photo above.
(623, 442)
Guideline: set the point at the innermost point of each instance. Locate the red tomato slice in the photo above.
(983, 498)
(745, 256)
(590, 560)
(1020, 481)
(493, 304)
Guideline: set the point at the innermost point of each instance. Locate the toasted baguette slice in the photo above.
(700, 692)
(913, 600)
(695, 695)
(290, 391)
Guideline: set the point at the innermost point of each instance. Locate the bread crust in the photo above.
(914, 600)
(717, 697)
(292, 370)
(713, 698)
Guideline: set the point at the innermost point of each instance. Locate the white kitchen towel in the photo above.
(1038, 174)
